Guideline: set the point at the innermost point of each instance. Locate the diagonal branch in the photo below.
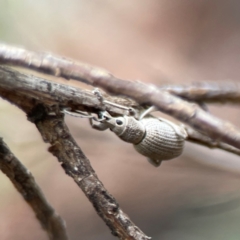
(184, 111)
(76, 165)
(24, 182)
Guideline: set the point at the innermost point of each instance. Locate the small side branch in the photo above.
(207, 92)
(198, 138)
(24, 182)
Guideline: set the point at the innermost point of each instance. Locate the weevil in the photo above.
(156, 138)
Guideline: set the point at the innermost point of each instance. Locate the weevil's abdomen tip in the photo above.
(154, 162)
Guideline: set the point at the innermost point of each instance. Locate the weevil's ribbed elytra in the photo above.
(161, 142)
(157, 139)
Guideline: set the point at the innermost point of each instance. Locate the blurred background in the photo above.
(196, 196)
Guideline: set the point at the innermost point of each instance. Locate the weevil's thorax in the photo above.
(161, 141)
(128, 129)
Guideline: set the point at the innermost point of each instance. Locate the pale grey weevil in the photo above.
(156, 138)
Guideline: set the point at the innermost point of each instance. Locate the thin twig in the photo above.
(184, 111)
(24, 182)
(207, 92)
(198, 138)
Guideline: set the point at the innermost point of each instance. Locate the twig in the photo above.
(198, 138)
(186, 112)
(208, 92)
(24, 182)
(49, 121)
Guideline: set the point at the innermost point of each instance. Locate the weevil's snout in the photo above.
(103, 116)
(117, 125)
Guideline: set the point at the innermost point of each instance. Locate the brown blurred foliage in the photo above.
(193, 197)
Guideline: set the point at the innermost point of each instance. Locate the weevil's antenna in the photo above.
(81, 114)
(78, 113)
(146, 112)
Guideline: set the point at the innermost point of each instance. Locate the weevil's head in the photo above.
(115, 124)
(127, 128)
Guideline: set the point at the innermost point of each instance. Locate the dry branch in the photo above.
(182, 110)
(80, 99)
(24, 182)
(60, 94)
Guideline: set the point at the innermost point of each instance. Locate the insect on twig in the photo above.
(156, 138)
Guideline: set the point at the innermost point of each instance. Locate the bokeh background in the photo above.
(196, 196)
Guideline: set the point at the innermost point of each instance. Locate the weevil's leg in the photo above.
(131, 111)
(146, 112)
(154, 162)
(100, 126)
(97, 92)
(118, 106)
(79, 114)
(179, 129)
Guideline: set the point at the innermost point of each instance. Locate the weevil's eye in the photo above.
(119, 122)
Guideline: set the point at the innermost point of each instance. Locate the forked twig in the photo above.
(50, 123)
(24, 182)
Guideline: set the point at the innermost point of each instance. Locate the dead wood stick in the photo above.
(24, 182)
